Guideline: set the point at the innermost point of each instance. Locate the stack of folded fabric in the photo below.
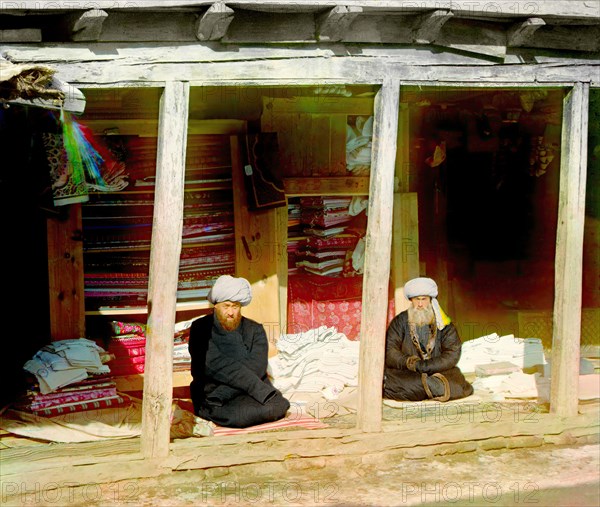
(128, 346)
(325, 256)
(320, 360)
(333, 227)
(71, 377)
(522, 352)
(65, 362)
(325, 216)
(88, 394)
(181, 354)
(200, 266)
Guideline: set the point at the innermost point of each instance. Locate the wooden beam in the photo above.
(86, 26)
(403, 167)
(573, 38)
(21, 35)
(351, 71)
(479, 37)
(428, 26)
(164, 269)
(502, 9)
(377, 257)
(566, 332)
(405, 246)
(213, 24)
(333, 24)
(139, 66)
(148, 127)
(335, 185)
(521, 33)
(65, 276)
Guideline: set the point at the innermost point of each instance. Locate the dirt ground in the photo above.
(545, 476)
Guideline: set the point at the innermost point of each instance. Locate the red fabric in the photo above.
(315, 301)
(126, 369)
(74, 397)
(112, 402)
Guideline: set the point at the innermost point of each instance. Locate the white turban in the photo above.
(228, 288)
(420, 287)
(427, 287)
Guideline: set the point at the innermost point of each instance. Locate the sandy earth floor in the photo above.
(546, 476)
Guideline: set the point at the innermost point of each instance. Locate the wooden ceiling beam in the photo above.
(85, 26)
(21, 35)
(500, 9)
(569, 38)
(332, 25)
(519, 34)
(213, 24)
(428, 26)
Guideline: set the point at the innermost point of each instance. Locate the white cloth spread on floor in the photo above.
(523, 352)
(320, 360)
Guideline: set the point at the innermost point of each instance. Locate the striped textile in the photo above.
(292, 420)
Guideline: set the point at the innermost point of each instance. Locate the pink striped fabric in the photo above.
(293, 420)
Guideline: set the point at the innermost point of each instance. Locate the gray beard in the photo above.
(421, 317)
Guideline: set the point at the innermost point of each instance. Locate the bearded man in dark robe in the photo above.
(229, 355)
(423, 349)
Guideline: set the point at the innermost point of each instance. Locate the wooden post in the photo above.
(405, 234)
(65, 276)
(377, 257)
(405, 251)
(164, 269)
(566, 331)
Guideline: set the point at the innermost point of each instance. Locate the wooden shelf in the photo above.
(145, 127)
(147, 248)
(149, 189)
(143, 310)
(129, 383)
(333, 185)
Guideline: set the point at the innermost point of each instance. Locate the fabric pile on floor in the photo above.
(320, 360)
(71, 377)
(65, 362)
(509, 368)
(522, 352)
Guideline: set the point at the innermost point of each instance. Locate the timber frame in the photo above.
(387, 44)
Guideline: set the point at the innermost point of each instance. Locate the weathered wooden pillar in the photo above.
(566, 332)
(164, 268)
(377, 257)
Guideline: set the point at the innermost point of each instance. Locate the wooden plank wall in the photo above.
(312, 132)
(260, 252)
(405, 246)
(65, 276)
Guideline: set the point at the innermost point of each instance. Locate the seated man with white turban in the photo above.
(422, 350)
(229, 362)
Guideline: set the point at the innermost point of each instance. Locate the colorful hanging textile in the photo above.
(79, 163)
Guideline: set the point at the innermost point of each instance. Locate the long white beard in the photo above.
(422, 317)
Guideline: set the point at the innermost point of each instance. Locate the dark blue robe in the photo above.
(229, 368)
